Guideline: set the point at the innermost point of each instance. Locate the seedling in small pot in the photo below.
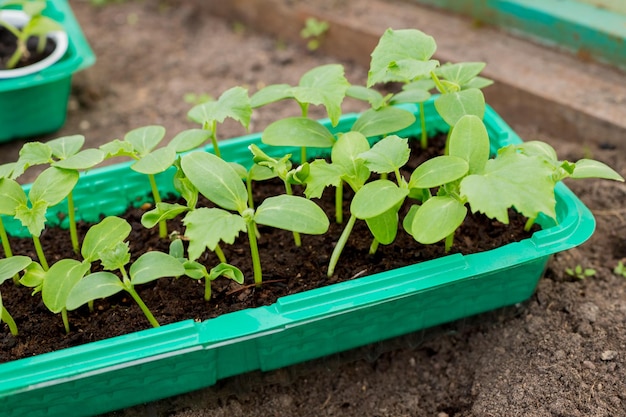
(11, 267)
(220, 183)
(324, 85)
(38, 26)
(195, 270)
(104, 242)
(234, 103)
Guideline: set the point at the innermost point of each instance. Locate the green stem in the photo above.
(374, 246)
(446, 151)
(254, 252)
(424, 139)
(72, 219)
(207, 288)
(6, 246)
(339, 203)
(40, 254)
(304, 107)
(442, 89)
(220, 254)
(449, 241)
(157, 199)
(296, 235)
(216, 147)
(249, 190)
(529, 223)
(146, 311)
(341, 243)
(303, 154)
(6, 317)
(66, 322)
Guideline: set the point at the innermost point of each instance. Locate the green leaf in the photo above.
(296, 214)
(375, 198)
(64, 147)
(346, 155)
(589, 168)
(538, 148)
(205, 227)
(33, 277)
(460, 73)
(177, 250)
(189, 139)
(478, 82)
(387, 155)
(453, 106)
(145, 139)
(413, 95)
(383, 121)
(298, 131)
(436, 219)
(402, 55)
(12, 196)
(373, 97)
(33, 218)
(115, 257)
(228, 271)
(117, 148)
(156, 161)
(103, 236)
(321, 175)
(81, 161)
(13, 265)
(6, 170)
(271, 94)
(469, 140)
(93, 287)
(438, 171)
(261, 173)
(162, 211)
(35, 153)
(233, 103)
(195, 270)
(59, 281)
(512, 180)
(53, 185)
(324, 85)
(216, 180)
(384, 227)
(154, 265)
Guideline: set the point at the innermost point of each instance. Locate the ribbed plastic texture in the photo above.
(176, 358)
(37, 103)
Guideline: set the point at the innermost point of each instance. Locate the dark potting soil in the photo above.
(8, 45)
(287, 269)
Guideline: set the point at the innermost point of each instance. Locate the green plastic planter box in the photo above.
(181, 357)
(37, 104)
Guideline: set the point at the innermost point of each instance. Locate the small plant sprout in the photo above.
(620, 269)
(282, 169)
(234, 103)
(10, 190)
(64, 153)
(11, 267)
(105, 242)
(196, 270)
(220, 183)
(579, 272)
(38, 26)
(324, 85)
(313, 31)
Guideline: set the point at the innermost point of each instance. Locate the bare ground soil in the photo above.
(562, 353)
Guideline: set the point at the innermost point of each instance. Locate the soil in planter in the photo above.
(287, 269)
(8, 45)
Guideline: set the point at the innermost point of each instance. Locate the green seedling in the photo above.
(620, 269)
(141, 145)
(579, 272)
(11, 267)
(196, 270)
(38, 26)
(49, 189)
(64, 153)
(313, 32)
(282, 168)
(220, 183)
(233, 103)
(324, 85)
(105, 243)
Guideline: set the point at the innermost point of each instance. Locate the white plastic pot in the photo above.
(19, 19)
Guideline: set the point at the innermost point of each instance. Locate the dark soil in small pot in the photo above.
(8, 45)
